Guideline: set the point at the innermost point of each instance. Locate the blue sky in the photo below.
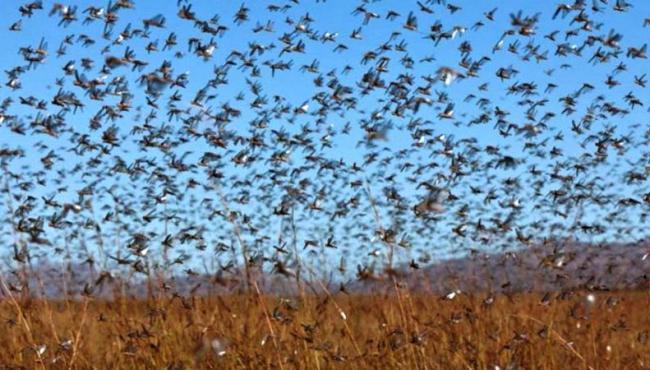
(297, 88)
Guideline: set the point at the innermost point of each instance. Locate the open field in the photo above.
(325, 184)
(605, 330)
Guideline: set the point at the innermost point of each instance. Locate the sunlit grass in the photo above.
(393, 331)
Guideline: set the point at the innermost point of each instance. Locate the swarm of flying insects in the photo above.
(315, 184)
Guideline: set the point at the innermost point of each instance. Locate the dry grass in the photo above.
(398, 331)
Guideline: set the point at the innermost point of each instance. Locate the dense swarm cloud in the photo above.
(312, 139)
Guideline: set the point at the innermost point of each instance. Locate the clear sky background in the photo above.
(297, 88)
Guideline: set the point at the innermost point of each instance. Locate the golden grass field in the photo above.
(525, 331)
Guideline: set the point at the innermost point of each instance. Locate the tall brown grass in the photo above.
(406, 331)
